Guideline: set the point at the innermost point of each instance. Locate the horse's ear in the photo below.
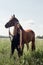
(13, 15)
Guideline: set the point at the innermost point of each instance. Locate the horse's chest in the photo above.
(16, 40)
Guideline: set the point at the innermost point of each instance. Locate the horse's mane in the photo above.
(21, 27)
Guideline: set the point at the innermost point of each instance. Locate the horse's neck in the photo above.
(16, 30)
(22, 28)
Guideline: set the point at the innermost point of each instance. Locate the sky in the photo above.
(28, 12)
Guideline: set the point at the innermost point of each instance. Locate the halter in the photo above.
(9, 34)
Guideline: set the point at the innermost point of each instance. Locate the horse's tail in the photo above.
(33, 42)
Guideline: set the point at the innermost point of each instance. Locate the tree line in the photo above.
(40, 37)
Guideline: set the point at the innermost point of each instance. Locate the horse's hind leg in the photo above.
(22, 47)
(33, 44)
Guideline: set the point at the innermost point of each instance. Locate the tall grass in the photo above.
(28, 58)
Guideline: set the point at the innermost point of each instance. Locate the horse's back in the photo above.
(30, 33)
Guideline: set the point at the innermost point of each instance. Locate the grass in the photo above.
(28, 58)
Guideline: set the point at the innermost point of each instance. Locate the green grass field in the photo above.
(28, 58)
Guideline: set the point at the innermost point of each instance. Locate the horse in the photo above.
(27, 35)
(15, 41)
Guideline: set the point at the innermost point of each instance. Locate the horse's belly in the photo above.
(26, 39)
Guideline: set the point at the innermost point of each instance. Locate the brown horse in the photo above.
(27, 35)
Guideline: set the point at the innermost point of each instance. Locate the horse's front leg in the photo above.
(20, 51)
(22, 47)
(27, 46)
(12, 49)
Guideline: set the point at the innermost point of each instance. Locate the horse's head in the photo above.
(11, 22)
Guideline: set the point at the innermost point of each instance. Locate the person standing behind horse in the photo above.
(17, 30)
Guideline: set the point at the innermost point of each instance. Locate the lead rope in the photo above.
(9, 34)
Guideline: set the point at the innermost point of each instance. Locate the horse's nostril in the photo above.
(5, 26)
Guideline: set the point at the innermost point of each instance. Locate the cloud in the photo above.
(32, 22)
(27, 23)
